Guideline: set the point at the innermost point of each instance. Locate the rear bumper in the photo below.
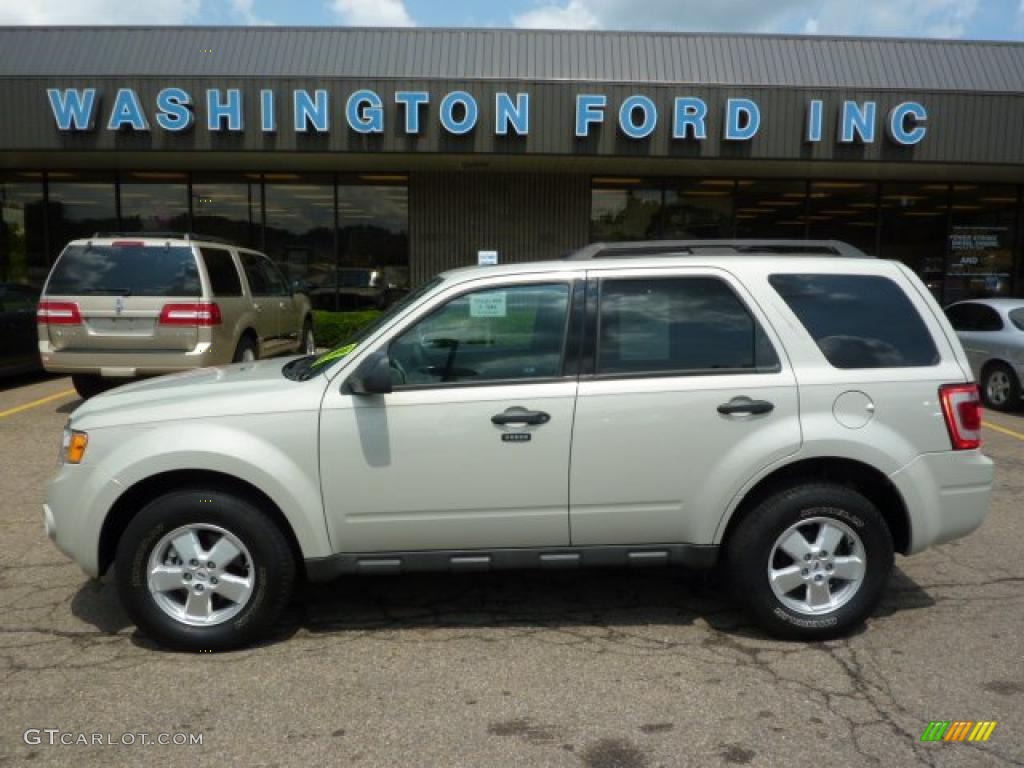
(129, 363)
(947, 495)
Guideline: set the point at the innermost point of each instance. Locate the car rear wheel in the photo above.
(1000, 387)
(811, 561)
(89, 385)
(246, 351)
(308, 346)
(204, 570)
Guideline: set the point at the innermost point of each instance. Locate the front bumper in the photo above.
(947, 495)
(130, 363)
(77, 500)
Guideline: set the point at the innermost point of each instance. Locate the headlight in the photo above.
(72, 446)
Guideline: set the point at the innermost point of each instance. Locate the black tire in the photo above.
(273, 569)
(307, 341)
(1010, 391)
(751, 545)
(246, 344)
(89, 385)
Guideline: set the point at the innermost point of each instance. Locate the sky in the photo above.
(977, 19)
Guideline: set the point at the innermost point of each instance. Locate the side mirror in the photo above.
(372, 377)
(300, 286)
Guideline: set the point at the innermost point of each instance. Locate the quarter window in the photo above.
(220, 267)
(680, 325)
(859, 321)
(499, 334)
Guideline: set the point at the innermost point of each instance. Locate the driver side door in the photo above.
(471, 449)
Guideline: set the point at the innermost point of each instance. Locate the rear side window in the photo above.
(220, 267)
(974, 317)
(258, 284)
(125, 270)
(683, 325)
(859, 321)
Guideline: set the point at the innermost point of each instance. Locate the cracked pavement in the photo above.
(602, 669)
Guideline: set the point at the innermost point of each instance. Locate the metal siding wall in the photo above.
(525, 217)
(468, 54)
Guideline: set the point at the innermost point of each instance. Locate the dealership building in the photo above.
(345, 153)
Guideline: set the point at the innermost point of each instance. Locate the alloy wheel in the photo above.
(200, 575)
(816, 566)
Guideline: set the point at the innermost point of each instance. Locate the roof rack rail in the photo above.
(641, 248)
(166, 236)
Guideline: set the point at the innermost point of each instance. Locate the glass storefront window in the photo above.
(913, 228)
(624, 209)
(770, 208)
(154, 201)
(373, 237)
(844, 210)
(228, 208)
(698, 209)
(982, 238)
(299, 233)
(22, 244)
(80, 204)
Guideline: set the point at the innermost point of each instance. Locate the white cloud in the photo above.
(931, 18)
(372, 13)
(37, 12)
(574, 15)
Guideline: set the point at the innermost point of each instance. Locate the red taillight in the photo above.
(58, 313)
(961, 405)
(190, 314)
(128, 243)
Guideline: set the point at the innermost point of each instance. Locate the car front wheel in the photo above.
(1000, 387)
(811, 561)
(204, 570)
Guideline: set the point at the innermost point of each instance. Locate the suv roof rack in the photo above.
(640, 248)
(165, 236)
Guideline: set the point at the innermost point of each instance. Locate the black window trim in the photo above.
(571, 283)
(594, 324)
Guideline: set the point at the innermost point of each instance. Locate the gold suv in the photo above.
(117, 307)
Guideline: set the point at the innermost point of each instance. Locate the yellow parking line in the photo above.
(35, 403)
(989, 424)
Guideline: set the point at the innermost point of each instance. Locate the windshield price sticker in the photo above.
(487, 304)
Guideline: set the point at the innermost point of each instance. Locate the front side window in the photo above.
(859, 321)
(510, 333)
(685, 325)
(1017, 318)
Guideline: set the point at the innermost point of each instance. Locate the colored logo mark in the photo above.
(958, 730)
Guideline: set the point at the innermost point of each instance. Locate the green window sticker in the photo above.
(334, 354)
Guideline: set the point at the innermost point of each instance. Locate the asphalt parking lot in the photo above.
(593, 669)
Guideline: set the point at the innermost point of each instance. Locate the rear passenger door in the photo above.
(264, 302)
(685, 393)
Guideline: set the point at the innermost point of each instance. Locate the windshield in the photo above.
(1017, 318)
(307, 367)
(125, 270)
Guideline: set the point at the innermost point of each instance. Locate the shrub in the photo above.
(331, 328)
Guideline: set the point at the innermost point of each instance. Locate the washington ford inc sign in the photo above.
(637, 117)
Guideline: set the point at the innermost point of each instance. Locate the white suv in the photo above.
(796, 417)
